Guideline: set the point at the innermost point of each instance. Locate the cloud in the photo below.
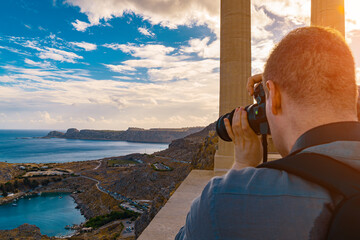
(164, 63)
(297, 11)
(123, 78)
(259, 22)
(58, 55)
(14, 50)
(80, 25)
(142, 50)
(146, 32)
(120, 68)
(59, 50)
(202, 48)
(52, 53)
(170, 14)
(38, 64)
(86, 46)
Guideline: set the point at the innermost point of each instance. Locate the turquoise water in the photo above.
(19, 146)
(49, 212)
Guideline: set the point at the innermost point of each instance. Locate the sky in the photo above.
(114, 64)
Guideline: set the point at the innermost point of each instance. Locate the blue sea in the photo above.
(50, 212)
(20, 146)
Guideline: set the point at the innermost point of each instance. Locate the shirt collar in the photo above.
(339, 131)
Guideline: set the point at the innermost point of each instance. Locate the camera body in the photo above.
(256, 115)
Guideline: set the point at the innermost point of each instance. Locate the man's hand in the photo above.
(252, 81)
(247, 145)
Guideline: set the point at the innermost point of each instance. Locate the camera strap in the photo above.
(339, 131)
(264, 146)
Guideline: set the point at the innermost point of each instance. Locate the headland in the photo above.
(153, 135)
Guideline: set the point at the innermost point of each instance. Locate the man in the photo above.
(309, 81)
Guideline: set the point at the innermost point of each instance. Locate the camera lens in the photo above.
(220, 126)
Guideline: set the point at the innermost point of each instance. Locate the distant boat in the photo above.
(14, 205)
(60, 197)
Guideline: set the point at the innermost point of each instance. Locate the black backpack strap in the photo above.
(322, 170)
(338, 131)
(334, 176)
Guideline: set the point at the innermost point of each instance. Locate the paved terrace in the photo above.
(172, 216)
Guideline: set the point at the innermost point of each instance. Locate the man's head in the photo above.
(309, 80)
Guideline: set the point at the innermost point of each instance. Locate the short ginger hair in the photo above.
(314, 65)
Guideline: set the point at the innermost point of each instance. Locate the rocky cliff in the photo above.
(25, 231)
(194, 148)
(8, 171)
(155, 135)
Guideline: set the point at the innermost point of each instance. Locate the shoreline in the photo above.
(17, 196)
(100, 139)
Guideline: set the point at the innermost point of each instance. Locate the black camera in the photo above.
(256, 116)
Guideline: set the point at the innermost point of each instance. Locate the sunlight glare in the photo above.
(352, 19)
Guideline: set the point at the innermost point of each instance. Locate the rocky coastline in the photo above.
(153, 135)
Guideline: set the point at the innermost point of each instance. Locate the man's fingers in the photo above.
(248, 132)
(236, 123)
(252, 81)
(228, 128)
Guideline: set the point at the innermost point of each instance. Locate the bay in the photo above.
(51, 212)
(20, 146)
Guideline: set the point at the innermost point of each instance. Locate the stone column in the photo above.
(328, 13)
(235, 67)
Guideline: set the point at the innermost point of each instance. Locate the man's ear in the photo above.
(274, 97)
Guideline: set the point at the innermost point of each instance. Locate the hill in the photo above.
(153, 135)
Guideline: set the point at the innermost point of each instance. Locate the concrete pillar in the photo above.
(235, 67)
(328, 13)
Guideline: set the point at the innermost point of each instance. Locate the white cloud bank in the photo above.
(167, 63)
(165, 13)
(87, 103)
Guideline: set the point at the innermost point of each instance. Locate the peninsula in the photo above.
(152, 135)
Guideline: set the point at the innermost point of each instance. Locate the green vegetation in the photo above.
(99, 221)
(112, 162)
